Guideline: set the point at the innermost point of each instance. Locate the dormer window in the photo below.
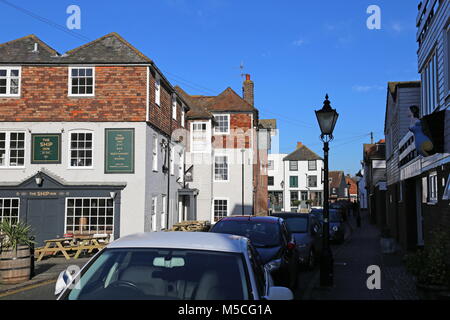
(81, 81)
(10, 81)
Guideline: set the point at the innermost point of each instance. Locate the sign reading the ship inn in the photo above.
(119, 150)
(46, 148)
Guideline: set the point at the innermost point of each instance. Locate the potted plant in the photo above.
(387, 243)
(431, 267)
(15, 256)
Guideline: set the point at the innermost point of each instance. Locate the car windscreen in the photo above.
(261, 234)
(297, 224)
(162, 274)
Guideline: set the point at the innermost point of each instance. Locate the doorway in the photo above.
(44, 218)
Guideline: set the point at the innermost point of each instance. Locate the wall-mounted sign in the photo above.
(119, 150)
(46, 148)
(379, 164)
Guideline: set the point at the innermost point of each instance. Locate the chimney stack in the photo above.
(248, 90)
(299, 145)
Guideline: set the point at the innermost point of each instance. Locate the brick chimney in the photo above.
(248, 90)
(299, 145)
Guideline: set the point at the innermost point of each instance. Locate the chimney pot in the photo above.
(247, 77)
(299, 145)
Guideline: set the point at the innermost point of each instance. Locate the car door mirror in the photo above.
(279, 293)
(64, 279)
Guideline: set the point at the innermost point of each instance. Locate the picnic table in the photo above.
(77, 243)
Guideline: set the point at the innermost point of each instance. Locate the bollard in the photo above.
(32, 257)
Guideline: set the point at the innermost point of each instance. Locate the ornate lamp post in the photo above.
(326, 117)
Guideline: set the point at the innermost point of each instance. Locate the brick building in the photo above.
(85, 139)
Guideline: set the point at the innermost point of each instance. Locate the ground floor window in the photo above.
(220, 209)
(433, 187)
(9, 209)
(89, 215)
(154, 207)
(163, 212)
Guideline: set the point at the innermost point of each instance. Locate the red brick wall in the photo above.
(120, 95)
(236, 139)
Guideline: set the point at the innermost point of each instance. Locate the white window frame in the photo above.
(69, 149)
(228, 124)
(315, 165)
(214, 207)
(270, 165)
(69, 83)
(308, 181)
(183, 116)
(2, 208)
(90, 198)
(8, 149)
(158, 90)
(181, 167)
(430, 85)
(433, 194)
(163, 212)
(290, 165)
(207, 142)
(155, 153)
(174, 107)
(154, 209)
(172, 160)
(8, 93)
(227, 168)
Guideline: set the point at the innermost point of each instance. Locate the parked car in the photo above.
(272, 240)
(173, 266)
(307, 231)
(336, 223)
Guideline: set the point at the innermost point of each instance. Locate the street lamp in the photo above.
(327, 118)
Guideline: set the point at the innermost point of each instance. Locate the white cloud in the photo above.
(298, 42)
(362, 88)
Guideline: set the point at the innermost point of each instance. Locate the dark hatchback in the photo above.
(307, 232)
(273, 242)
(337, 226)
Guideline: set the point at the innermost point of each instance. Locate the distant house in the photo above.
(375, 180)
(352, 192)
(338, 186)
(297, 179)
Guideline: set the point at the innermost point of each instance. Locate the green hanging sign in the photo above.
(46, 148)
(119, 150)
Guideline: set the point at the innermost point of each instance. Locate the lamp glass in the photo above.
(327, 120)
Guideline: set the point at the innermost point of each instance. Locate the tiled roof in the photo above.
(375, 151)
(203, 106)
(197, 109)
(336, 178)
(268, 123)
(353, 186)
(302, 153)
(111, 48)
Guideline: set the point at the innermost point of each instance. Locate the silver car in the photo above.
(173, 266)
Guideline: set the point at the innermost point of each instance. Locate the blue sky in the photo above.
(296, 52)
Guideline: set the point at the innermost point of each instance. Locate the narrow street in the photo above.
(351, 260)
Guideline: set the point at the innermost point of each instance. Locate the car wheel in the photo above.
(311, 259)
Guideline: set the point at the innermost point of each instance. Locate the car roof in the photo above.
(269, 219)
(287, 215)
(207, 241)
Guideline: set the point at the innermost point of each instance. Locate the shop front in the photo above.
(54, 207)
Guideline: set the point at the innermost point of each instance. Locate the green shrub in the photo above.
(13, 235)
(431, 265)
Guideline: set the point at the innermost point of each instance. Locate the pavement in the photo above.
(360, 250)
(46, 274)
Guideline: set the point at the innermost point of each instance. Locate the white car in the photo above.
(173, 265)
